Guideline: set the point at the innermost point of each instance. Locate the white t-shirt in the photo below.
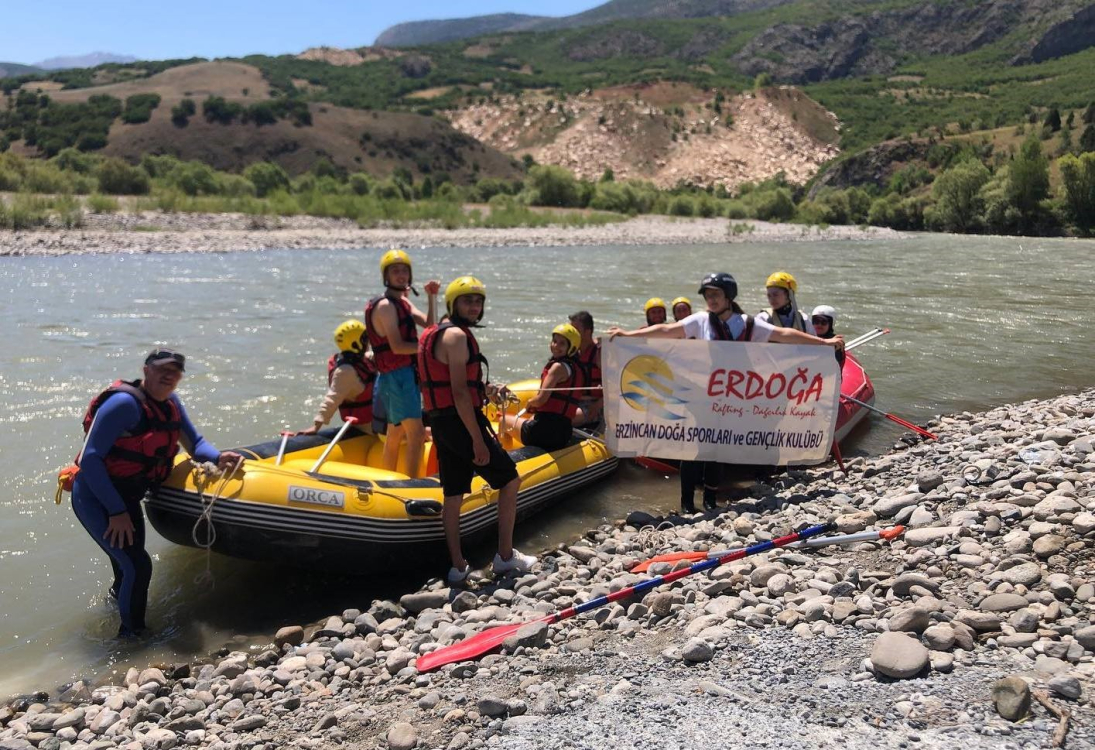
(763, 315)
(698, 326)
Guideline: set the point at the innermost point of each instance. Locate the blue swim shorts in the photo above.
(400, 395)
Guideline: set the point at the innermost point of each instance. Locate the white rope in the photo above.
(205, 474)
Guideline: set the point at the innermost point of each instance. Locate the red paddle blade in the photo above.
(668, 557)
(472, 648)
(911, 426)
(893, 533)
(655, 465)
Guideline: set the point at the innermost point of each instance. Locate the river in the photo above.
(976, 322)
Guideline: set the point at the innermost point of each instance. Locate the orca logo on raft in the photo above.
(312, 496)
(647, 385)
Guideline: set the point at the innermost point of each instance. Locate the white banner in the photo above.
(719, 401)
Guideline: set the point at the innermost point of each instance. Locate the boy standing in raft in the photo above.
(351, 375)
(724, 320)
(450, 368)
(782, 311)
(133, 431)
(590, 401)
(391, 321)
(555, 405)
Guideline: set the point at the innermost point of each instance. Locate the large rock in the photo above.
(402, 736)
(159, 739)
(911, 620)
(697, 650)
(1011, 696)
(930, 535)
(939, 637)
(1086, 637)
(292, 635)
(532, 635)
(1048, 545)
(899, 656)
(888, 507)
(421, 600)
(1002, 603)
(1026, 574)
(927, 481)
(982, 622)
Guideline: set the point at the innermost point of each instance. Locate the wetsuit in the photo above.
(96, 497)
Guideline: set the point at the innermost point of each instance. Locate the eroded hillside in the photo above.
(667, 133)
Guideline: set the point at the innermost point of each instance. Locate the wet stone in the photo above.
(1011, 697)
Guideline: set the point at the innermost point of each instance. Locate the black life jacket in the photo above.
(721, 328)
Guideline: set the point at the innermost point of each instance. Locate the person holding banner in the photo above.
(724, 320)
(824, 318)
(783, 310)
(555, 405)
(655, 311)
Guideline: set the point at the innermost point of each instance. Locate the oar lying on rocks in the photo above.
(821, 541)
(892, 417)
(490, 640)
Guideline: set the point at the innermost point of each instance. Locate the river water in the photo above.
(976, 322)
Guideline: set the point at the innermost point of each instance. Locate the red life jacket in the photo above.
(721, 329)
(362, 408)
(589, 363)
(149, 453)
(563, 402)
(386, 359)
(433, 374)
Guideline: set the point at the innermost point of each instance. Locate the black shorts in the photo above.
(455, 454)
(548, 431)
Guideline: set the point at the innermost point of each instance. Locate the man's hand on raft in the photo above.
(433, 286)
(229, 460)
(119, 530)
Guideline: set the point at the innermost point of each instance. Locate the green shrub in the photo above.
(267, 178)
(193, 178)
(360, 183)
(908, 178)
(773, 205)
(119, 178)
(1078, 189)
(736, 209)
(97, 203)
(958, 205)
(72, 160)
(159, 166)
(552, 186)
(217, 109)
(234, 186)
(138, 108)
(182, 112)
(392, 189)
(46, 178)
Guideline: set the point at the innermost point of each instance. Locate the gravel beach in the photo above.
(955, 635)
(157, 232)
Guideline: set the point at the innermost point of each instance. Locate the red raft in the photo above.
(854, 383)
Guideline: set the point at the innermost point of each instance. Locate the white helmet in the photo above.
(825, 310)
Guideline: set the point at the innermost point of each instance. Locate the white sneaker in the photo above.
(517, 562)
(458, 576)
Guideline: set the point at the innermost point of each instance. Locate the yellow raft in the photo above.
(348, 509)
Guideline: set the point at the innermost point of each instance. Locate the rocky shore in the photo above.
(158, 232)
(976, 629)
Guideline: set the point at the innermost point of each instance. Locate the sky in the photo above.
(157, 30)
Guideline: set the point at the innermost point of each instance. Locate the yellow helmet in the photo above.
(350, 336)
(783, 280)
(393, 257)
(570, 333)
(682, 300)
(652, 303)
(462, 287)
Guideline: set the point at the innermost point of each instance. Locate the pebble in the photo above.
(402, 736)
(899, 656)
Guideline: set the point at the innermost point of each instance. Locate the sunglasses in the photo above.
(820, 319)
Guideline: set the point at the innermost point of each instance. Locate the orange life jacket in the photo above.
(433, 374)
(386, 359)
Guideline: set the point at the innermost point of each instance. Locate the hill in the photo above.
(89, 60)
(418, 33)
(8, 69)
(353, 140)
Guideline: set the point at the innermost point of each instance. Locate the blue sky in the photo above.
(157, 30)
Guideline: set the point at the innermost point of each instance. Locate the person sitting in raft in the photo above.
(556, 403)
(450, 369)
(590, 401)
(133, 431)
(351, 375)
(782, 310)
(390, 321)
(723, 320)
(655, 311)
(824, 317)
(682, 308)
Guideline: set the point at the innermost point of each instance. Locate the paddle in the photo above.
(350, 421)
(821, 541)
(891, 417)
(865, 338)
(655, 465)
(490, 640)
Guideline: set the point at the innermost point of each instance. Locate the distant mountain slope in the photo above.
(415, 33)
(89, 60)
(16, 69)
(418, 33)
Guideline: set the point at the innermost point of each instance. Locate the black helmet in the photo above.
(723, 281)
